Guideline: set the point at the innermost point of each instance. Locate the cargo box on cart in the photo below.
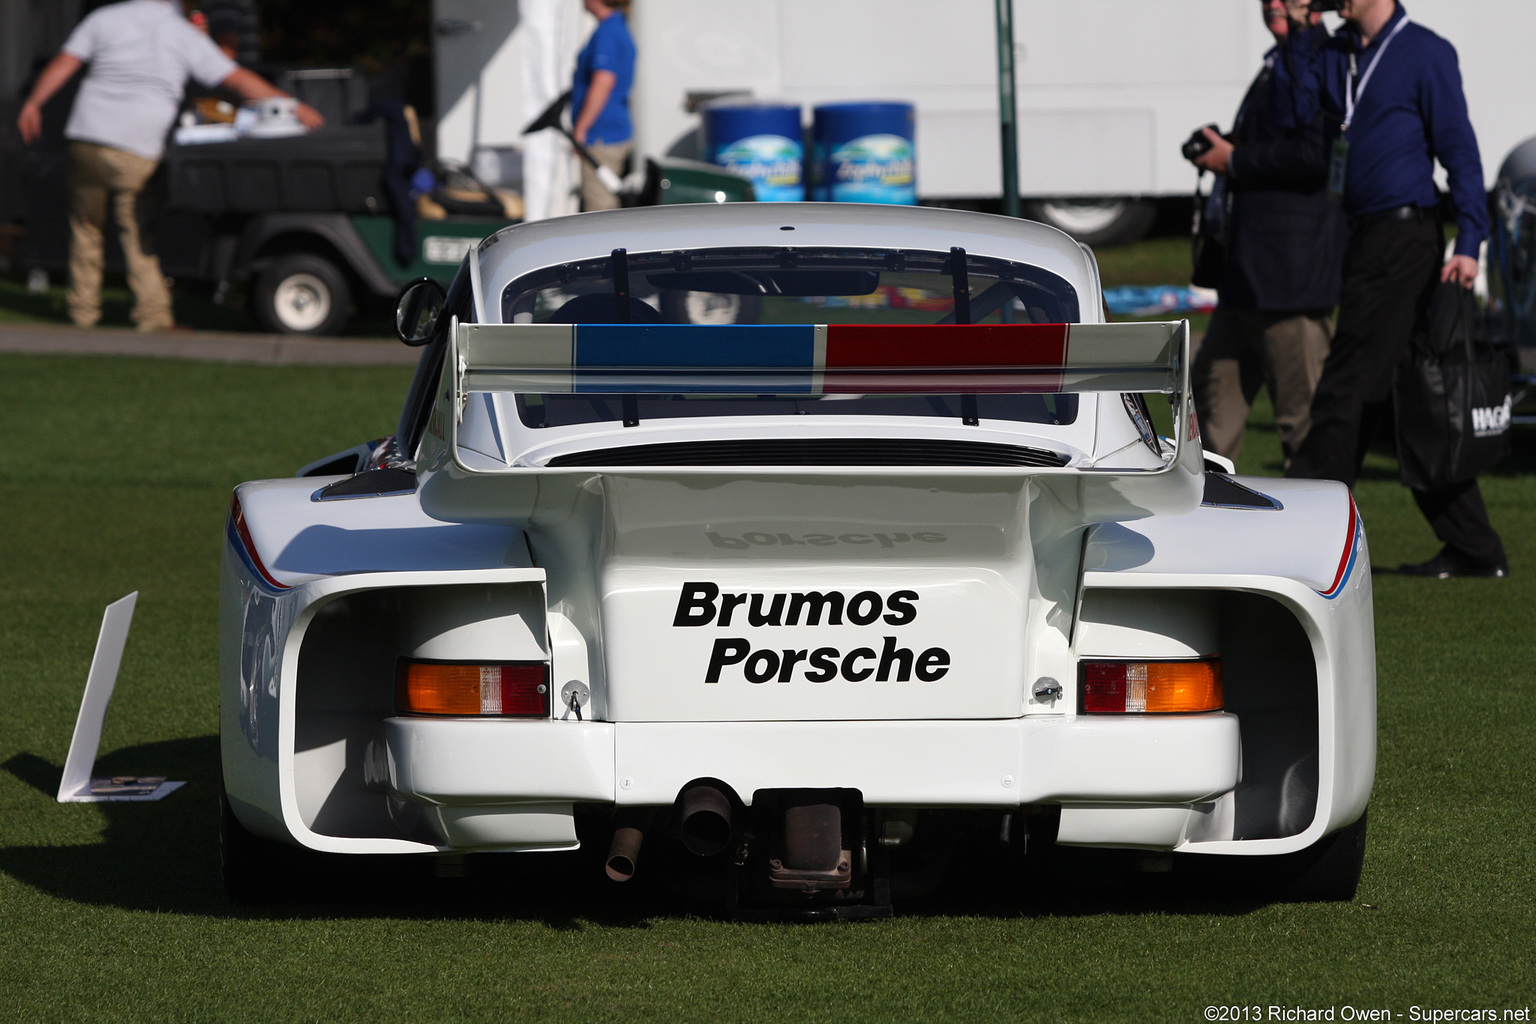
(334, 170)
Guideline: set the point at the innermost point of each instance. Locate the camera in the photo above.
(1197, 145)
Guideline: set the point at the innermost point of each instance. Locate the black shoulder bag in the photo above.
(1208, 234)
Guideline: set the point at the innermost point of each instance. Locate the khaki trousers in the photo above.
(1245, 349)
(593, 195)
(102, 178)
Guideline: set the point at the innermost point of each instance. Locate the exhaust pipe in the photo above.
(624, 853)
(706, 820)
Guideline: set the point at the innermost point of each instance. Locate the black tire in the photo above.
(301, 293)
(1330, 870)
(1326, 872)
(256, 871)
(680, 307)
(1101, 221)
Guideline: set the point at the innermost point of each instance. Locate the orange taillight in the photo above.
(1122, 687)
(517, 689)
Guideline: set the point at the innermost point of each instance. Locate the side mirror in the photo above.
(419, 309)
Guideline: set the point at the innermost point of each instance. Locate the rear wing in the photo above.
(811, 359)
(819, 359)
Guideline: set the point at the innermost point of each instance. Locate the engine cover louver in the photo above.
(857, 451)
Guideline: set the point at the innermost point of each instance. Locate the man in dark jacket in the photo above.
(1392, 88)
(1285, 244)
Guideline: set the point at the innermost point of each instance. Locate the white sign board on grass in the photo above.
(77, 785)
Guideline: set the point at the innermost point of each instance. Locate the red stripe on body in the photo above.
(237, 514)
(1349, 547)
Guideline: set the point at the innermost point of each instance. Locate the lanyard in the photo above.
(1355, 91)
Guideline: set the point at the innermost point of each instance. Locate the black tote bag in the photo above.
(1452, 397)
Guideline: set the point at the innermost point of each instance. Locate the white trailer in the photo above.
(1107, 89)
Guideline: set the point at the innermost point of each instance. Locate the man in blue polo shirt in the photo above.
(1394, 89)
(605, 72)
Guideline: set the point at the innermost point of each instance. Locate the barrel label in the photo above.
(873, 169)
(771, 162)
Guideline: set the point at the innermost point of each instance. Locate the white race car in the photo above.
(780, 546)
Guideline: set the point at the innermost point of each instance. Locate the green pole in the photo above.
(1006, 108)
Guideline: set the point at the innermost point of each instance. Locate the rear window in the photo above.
(790, 286)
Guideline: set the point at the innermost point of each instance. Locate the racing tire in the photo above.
(683, 307)
(1110, 220)
(255, 871)
(1326, 872)
(301, 293)
(1330, 870)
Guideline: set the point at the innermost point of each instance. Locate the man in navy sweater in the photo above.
(1280, 280)
(1394, 89)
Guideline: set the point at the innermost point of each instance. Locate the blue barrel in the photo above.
(762, 142)
(863, 153)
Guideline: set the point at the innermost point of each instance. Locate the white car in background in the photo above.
(885, 552)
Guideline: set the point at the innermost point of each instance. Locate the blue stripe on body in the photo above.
(1349, 568)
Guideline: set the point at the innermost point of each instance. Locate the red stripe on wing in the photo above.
(947, 347)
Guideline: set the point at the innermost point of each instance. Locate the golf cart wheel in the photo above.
(301, 294)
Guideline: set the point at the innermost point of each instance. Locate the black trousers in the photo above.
(1390, 270)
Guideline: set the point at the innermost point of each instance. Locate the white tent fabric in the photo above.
(499, 64)
(549, 44)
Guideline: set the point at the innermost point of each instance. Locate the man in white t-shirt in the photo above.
(138, 55)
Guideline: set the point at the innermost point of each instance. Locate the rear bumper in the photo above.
(472, 769)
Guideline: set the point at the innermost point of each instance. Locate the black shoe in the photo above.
(1446, 564)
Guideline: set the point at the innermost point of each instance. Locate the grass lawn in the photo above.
(1152, 261)
(117, 477)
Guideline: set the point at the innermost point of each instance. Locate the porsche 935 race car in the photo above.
(778, 542)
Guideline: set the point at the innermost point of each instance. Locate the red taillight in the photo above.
(518, 689)
(1156, 687)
